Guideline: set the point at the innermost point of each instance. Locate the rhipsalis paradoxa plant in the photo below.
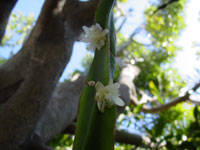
(97, 109)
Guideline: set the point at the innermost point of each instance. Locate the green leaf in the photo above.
(138, 108)
(155, 91)
(95, 130)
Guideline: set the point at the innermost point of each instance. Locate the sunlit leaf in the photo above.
(155, 91)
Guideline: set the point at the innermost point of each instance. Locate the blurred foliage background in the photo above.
(151, 46)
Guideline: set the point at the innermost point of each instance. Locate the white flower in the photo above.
(107, 96)
(95, 36)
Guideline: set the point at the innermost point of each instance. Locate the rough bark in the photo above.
(62, 109)
(28, 79)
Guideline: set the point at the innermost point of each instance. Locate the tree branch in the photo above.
(121, 25)
(166, 106)
(121, 136)
(129, 41)
(196, 102)
(163, 6)
(128, 91)
(6, 7)
(84, 13)
(160, 108)
(39, 65)
(129, 138)
(65, 101)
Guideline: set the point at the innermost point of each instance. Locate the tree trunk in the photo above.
(28, 79)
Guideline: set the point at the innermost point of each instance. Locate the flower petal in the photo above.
(99, 47)
(99, 86)
(98, 26)
(85, 39)
(90, 47)
(102, 43)
(115, 85)
(95, 36)
(86, 29)
(118, 101)
(101, 105)
(107, 96)
(110, 82)
(105, 31)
